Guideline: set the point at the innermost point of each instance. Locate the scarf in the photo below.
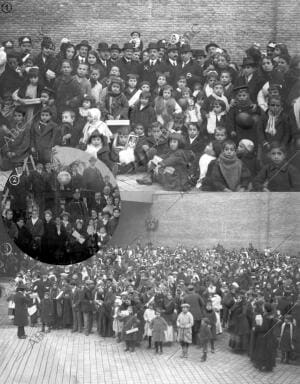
(271, 124)
(231, 170)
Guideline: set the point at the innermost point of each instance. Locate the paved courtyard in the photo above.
(61, 357)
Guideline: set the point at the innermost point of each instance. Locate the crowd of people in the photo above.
(61, 216)
(152, 296)
(187, 117)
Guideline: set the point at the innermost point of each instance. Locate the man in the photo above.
(75, 299)
(86, 306)
(115, 52)
(21, 312)
(104, 56)
(77, 207)
(191, 70)
(10, 226)
(196, 308)
(149, 69)
(126, 64)
(172, 64)
(83, 49)
(35, 227)
(25, 44)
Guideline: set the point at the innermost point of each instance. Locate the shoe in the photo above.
(203, 358)
(23, 337)
(160, 352)
(212, 351)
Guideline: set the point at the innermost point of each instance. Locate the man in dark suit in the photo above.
(172, 64)
(83, 49)
(115, 52)
(196, 308)
(77, 207)
(21, 315)
(47, 62)
(86, 306)
(126, 64)
(149, 69)
(75, 300)
(189, 68)
(104, 55)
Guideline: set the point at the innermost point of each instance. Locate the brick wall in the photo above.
(233, 24)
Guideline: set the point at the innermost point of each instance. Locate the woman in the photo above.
(264, 341)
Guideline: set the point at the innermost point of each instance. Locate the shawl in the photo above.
(231, 170)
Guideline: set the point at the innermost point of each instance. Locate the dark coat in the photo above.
(86, 300)
(218, 182)
(145, 116)
(46, 138)
(130, 322)
(283, 130)
(149, 74)
(36, 230)
(48, 241)
(158, 326)
(77, 209)
(21, 314)
(68, 93)
(10, 81)
(172, 71)
(278, 178)
(194, 69)
(127, 68)
(46, 311)
(92, 179)
(196, 305)
(75, 299)
(158, 148)
(50, 63)
(254, 85)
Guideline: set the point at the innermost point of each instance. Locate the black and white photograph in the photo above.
(150, 192)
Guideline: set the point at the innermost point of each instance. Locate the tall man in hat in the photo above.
(126, 64)
(83, 49)
(104, 56)
(8, 46)
(189, 68)
(150, 68)
(115, 52)
(172, 64)
(21, 314)
(25, 44)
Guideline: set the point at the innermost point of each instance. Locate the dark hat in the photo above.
(133, 76)
(103, 47)
(128, 46)
(271, 44)
(47, 43)
(212, 44)
(24, 39)
(249, 61)
(21, 287)
(48, 90)
(87, 97)
(83, 43)
(162, 44)
(8, 44)
(135, 32)
(76, 190)
(242, 87)
(115, 47)
(185, 48)
(199, 53)
(152, 46)
(65, 214)
(172, 47)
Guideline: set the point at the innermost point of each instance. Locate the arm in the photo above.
(294, 176)
(260, 179)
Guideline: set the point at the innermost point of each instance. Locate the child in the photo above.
(140, 154)
(86, 105)
(68, 132)
(275, 124)
(246, 153)
(161, 82)
(81, 78)
(211, 78)
(181, 84)
(226, 81)
(46, 312)
(115, 105)
(205, 335)
(117, 324)
(97, 146)
(96, 86)
(220, 134)
(47, 101)
(94, 123)
(218, 94)
(286, 339)
(44, 136)
(158, 326)
(130, 330)
(143, 112)
(209, 155)
(185, 322)
(136, 40)
(131, 92)
(93, 59)
(120, 153)
(149, 315)
(277, 176)
(165, 107)
(211, 316)
(217, 116)
(68, 92)
(192, 113)
(194, 142)
(229, 173)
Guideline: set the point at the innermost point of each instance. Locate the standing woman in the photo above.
(21, 313)
(265, 342)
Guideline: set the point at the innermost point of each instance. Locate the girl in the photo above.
(229, 174)
(30, 90)
(205, 335)
(95, 124)
(149, 315)
(286, 339)
(158, 326)
(185, 322)
(269, 73)
(93, 59)
(211, 78)
(115, 105)
(215, 117)
(210, 154)
(121, 153)
(117, 324)
(277, 176)
(97, 146)
(275, 124)
(96, 86)
(68, 92)
(165, 106)
(172, 168)
(192, 113)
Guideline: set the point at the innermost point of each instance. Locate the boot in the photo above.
(185, 352)
(204, 357)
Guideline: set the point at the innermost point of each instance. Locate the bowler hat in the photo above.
(103, 47)
(83, 43)
(212, 44)
(249, 61)
(185, 48)
(152, 46)
(128, 46)
(115, 47)
(8, 44)
(172, 47)
(25, 39)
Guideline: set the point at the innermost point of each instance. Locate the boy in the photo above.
(143, 113)
(44, 136)
(81, 77)
(196, 144)
(218, 94)
(277, 176)
(226, 81)
(181, 84)
(96, 86)
(220, 134)
(69, 131)
(131, 92)
(47, 101)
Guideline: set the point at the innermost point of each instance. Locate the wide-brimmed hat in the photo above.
(249, 61)
(103, 47)
(128, 46)
(185, 48)
(83, 43)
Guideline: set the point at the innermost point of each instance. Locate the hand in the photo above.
(226, 190)
(233, 133)
(189, 75)
(110, 117)
(265, 189)
(145, 147)
(33, 150)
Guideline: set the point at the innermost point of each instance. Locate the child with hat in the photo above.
(115, 105)
(158, 326)
(205, 336)
(185, 322)
(149, 315)
(246, 153)
(136, 40)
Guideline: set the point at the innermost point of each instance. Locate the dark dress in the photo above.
(265, 344)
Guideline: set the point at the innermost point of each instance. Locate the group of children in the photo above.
(193, 117)
(165, 295)
(57, 222)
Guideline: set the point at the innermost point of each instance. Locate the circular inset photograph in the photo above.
(63, 211)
